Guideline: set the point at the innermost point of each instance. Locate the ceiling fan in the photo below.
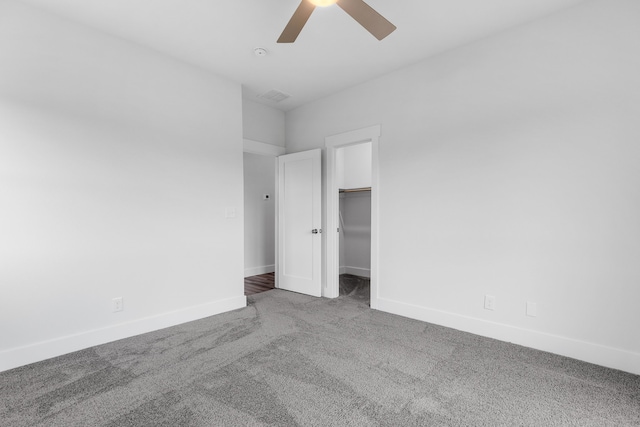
(371, 20)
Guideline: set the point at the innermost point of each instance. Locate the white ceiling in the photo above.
(333, 51)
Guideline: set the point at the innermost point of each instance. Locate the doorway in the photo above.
(353, 171)
(362, 139)
(259, 171)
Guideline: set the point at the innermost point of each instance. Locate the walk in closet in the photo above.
(354, 176)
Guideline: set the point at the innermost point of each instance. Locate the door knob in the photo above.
(316, 231)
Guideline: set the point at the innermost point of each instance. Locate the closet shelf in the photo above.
(354, 190)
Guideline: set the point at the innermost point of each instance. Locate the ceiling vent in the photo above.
(274, 96)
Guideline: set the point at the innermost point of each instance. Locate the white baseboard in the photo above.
(589, 352)
(32, 353)
(356, 271)
(254, 271)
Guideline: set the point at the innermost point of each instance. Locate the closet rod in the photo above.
(354, 190)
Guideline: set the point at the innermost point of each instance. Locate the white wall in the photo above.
(259, 214)
(116, 167)
(524, 150)
(353, 166)
(262, 123)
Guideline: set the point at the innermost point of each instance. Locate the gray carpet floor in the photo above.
(289, 359)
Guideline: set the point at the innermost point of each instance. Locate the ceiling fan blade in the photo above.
(297, 21)
(371, 20)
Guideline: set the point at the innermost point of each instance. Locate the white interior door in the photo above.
(299, 223)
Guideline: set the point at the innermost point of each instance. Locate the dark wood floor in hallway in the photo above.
(260, 283)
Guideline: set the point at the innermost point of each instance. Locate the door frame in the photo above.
(371, 134)
(262, 148)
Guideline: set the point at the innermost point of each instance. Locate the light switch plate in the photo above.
(489, 302)
(532, 309)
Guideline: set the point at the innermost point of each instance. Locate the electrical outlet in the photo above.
(532, 309)
(489, 302)
(117, 304)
